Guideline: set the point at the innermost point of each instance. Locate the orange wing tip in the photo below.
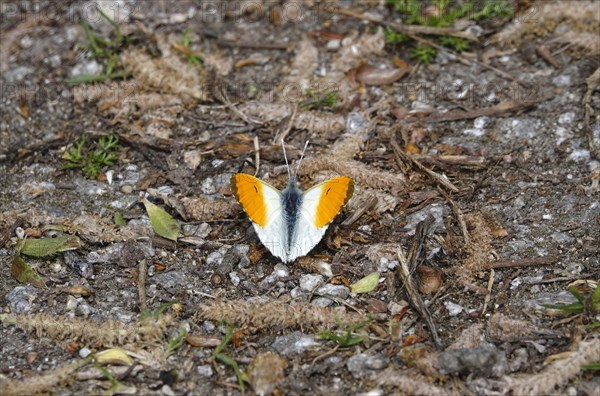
(335, 194)
(248, 191)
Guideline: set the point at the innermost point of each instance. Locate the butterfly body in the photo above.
(291, 222)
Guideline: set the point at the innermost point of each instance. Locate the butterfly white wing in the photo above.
(320, 205)
(262, 203)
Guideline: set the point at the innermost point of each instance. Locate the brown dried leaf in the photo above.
(410, 383)
(304, 64)
(203, 341)
(371, 75)
(430, 279)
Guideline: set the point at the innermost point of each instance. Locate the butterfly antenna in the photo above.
(301, 157)
(286, 160)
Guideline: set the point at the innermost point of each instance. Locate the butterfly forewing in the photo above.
(262, 203)
(325, 200)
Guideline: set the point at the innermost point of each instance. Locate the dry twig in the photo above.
(527, 262)
(403, 158)
(142, 284)
(496, 110)
(406, 270)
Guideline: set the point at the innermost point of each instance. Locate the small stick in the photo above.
(220, 94)
(256, 155)
(501, 108)
(527, 262)
(371, 202)
(405, 270)
(488, 295)
(459, 217)
(280, 137)
(544, 52)
(408, 29)
(142, 284)
(5, 236)
(254, 45)
(402, 157)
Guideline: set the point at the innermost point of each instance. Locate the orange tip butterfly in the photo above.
(290, 223)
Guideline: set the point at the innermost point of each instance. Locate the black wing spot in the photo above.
(255, 189)
(327, 192)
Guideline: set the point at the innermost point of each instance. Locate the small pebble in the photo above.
(205, 370)
(71, 303)
(361, 365)
(334, 290)
(84, 352)
(486, 361)
(308, 282)
(453, 309)
(166, 390)
(21, 298)
(293, 344)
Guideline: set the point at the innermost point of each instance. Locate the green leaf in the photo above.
(366, 284)
(157, 312)
(22, 272)
(119, 219)
(571, 308)
(595, 366)
(594, 325)
(596, 299)
(49, 246)
(162, 222)
(579, 296)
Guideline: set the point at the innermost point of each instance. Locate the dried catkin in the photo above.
(557, 373)
(264, 313)
(90, 332)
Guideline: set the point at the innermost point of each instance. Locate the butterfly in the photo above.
(290, 223)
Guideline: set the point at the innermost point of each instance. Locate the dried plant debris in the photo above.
(323, 124)
(501, 328)
(579, 25)
(43, 383)
(203, 208)
(558, 373)
(123, 98)
(475, 255)
(166, 74)
(362, 174)
(147, 331)
(410, 382)
(263, 313)
(95, 229)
